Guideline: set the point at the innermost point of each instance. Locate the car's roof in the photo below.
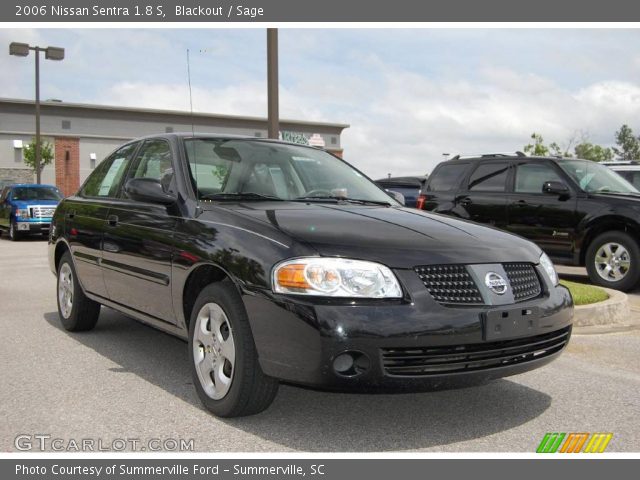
(412, 181)
(494, 157)
(218, 136)
(32, 185)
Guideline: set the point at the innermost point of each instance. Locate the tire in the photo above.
(238, 386)
(613, 261)
(14, 235)
(77, 312)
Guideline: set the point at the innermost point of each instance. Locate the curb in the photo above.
(613, 311)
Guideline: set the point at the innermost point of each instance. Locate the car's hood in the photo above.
(634, 199)
(398, 237)
(31, 203)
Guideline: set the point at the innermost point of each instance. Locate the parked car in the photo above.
(27, 208)
(278, 262)
(629, 170)
(578, 211)
(408, 187)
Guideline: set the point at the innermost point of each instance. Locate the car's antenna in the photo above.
(193, 131)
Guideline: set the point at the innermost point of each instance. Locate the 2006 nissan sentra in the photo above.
(279, 262)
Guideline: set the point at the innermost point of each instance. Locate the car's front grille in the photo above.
(524, 280)
(421, 361)
(42, 211)
(453, 285)
(450, 284)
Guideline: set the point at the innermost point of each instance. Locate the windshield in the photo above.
(35, 193)
(222, 169)
(595, 178)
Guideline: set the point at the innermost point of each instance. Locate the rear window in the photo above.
(447, 177)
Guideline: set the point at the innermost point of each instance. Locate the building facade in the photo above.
(82, 135)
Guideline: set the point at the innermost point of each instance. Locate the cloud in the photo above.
(409, 95)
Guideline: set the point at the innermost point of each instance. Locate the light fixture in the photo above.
(17, 144)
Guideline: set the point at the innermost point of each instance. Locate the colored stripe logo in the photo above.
(574, 442)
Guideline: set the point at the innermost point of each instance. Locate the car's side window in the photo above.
(447, 177)
(106, 178)
(530, 177)
(154, 160)
(489, 177)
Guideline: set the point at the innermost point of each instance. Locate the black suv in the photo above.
(282, 262)
(579, 212)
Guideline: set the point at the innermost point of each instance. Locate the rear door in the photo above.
(484, 198)
(138, 239)
(548, 220)
(85, 216)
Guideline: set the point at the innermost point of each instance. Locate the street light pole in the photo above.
(51, 53)
(272, 83)
(38, 149)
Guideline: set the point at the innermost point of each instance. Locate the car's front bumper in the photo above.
(33, 226)
(299, 339)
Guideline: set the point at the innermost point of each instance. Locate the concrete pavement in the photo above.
(127, 380)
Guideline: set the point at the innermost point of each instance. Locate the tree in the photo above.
(595, 153)
(628, 143)
(29, 155)
(539, 149)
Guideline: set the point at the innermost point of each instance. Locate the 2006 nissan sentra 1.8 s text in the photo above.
(279, 262)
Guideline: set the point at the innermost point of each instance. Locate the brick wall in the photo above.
(67, 159)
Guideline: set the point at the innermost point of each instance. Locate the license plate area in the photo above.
(510, 323)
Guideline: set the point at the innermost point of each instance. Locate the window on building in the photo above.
(168, 130)
(66, 124)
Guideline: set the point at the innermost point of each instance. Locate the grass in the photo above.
(585, 294)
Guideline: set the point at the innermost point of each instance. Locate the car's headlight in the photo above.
(335, 277)
(22, 213)
(547, 264)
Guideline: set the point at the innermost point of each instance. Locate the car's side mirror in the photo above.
(556, 188)
(397, 195)
(148, 190)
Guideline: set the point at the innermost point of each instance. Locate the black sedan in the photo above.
(279, 262)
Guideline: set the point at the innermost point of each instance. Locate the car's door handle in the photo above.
(113, 220)
(521, 203)
(465, 202)
(71, 214)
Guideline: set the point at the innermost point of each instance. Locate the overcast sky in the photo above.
(409, 95)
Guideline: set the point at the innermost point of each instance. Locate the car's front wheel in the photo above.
(613, 261)
(77, 312)
(224, 360)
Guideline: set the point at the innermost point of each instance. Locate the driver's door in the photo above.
(138, 239)
(548, 220)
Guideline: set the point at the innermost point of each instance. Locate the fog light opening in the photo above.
(350, 364)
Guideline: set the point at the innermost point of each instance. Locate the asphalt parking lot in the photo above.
(125, 380)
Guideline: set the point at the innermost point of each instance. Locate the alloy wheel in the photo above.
(214, 351)
(65, 290)
(612, 261)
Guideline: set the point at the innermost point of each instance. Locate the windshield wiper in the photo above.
(240, 196)
(336, 199)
